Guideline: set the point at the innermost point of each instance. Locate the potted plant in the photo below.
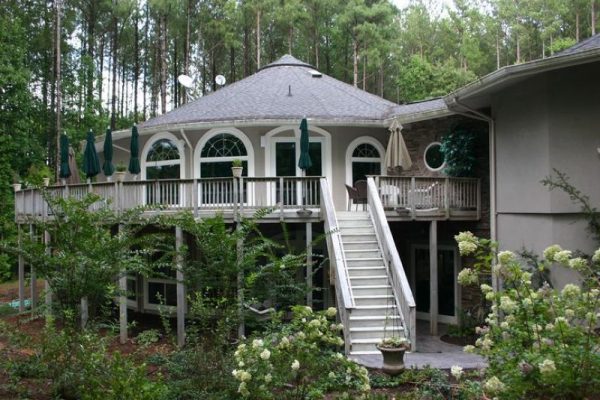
(120, 172)
(16, 182)
(237, 168)
(45, 174)
(392, 349)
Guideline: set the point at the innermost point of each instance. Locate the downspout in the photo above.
(474, 114)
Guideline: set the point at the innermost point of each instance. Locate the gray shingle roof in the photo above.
(585, 45)
(286, 89)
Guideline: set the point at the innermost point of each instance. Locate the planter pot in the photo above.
(46, 181)
(16, 187)
(120, 176)
(393, 359)
(237, 171)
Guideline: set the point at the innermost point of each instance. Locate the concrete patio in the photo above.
(431, 352)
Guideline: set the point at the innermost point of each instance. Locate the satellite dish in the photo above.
(186, 81)
(220, 80)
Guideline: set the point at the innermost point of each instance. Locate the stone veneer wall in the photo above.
(417, 137)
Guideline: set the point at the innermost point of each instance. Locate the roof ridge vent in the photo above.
(314, 73)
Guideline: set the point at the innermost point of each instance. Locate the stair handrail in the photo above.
(400, 286)
(337, 260)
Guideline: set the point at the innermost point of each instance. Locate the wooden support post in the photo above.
(122, 304)
(47, 287)
(84, 312)
(309, 265)
(240, 288)
(180, 289)
(21, 271)
(32, 275)
(433, 278)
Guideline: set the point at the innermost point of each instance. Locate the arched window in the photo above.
(366, 159)
(218, 153)
(433, 156)
(163, 160)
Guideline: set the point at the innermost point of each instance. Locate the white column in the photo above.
(33, 278)
(180, 289)
(433, 278)
(309, 263)
(84, 312)
(46, 284)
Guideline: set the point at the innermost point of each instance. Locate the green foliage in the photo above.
(591, 213)
(538, 342)
(148, 337)
(289, 361)
(87, 253)
(561, 44)
(459, 149)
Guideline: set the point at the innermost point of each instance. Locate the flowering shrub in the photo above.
(298, 361)
(540, 343)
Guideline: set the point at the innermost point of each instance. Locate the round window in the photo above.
(434, 158)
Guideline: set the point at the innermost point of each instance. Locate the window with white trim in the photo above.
(433, 157)
(163, 160)
(218, 153)
(365, 160)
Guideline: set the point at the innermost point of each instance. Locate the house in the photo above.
(396, 258)
(543, 115)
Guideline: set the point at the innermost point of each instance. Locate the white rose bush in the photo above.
(299, 360)
(539, 342)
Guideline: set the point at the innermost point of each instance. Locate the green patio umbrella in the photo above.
(108, 167)
(91, 165)
(304, 162)
(64, 171)
(134, 161)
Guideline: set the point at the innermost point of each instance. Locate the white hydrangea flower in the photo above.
(563, 257)
(506, 257)
(578, 264)
(331, 312)
(243, 390)
(245, 376)
(547, 366)
(257, 343)
(456, 371)
(570, 290)
(295, 365)
(507, 304)
(596, 256)
(268, 378)
(241, 364)
(265, 355)
(315, 323)
(465, 236)
(469, 349)
(569, 313)
(504, 325)
(285, 342)
(466, 248)
(331, 375)
(551, 251)
(485, 288)
(494, 385)
(467, 277)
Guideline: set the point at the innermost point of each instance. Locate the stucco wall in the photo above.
(551, 121)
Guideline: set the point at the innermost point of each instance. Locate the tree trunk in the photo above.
(186, 50)
(593, 17)
(497, 50)
(258, 46)
(113, 105)
(231, 64)
(518, 49)
(136, 67)
(246, 54)
(381, 79)
(146, 56)
(91, 38)
(577, 26)
(100, 72)
(163, 63)
(58, 4)
(175, 74)
(364, 77)
(355, 62)
(290, 39)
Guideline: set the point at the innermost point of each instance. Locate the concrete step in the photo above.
(361, 245)
(341, 215)
(369, 280)
(366, 271)
(369, 290)
(370, 332)
(364, 262)
(361, 253)
(379, 309)
(357, 237)
(373, 300)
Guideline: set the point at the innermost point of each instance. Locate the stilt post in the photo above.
(180, 289)
(433, 279)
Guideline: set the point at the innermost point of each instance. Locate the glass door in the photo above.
(446, 283)
(287, 154)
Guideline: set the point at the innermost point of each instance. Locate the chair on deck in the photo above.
(352, 196)
(361, 188)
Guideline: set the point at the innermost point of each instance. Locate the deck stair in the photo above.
(375, 314)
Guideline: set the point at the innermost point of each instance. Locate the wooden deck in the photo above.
(292, 199)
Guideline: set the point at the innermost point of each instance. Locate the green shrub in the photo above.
(542, 342)
(459, 149)
(290, 362)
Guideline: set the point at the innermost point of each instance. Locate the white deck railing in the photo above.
(430, 196)
(400, 287)
(337, 261)
(205, 194)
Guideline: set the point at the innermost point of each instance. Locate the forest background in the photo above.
(75, 65)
